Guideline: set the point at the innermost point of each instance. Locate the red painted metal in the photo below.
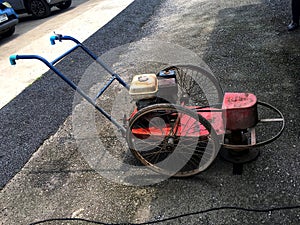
(186, 127)
(240, 110)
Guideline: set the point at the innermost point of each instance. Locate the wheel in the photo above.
(39, 8)
(64, 5)
(172, 140)
(9, 32)
(198, 85)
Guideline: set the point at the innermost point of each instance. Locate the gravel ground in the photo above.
(246, 45)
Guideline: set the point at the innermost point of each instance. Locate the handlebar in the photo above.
(12, 59)
(56, 37)
(52, 39)
(51, 65)
(60, 37)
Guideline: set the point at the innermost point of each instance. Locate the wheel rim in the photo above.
(167, 138)
(38, 8)
(201, 86)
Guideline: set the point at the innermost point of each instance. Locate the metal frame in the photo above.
(115, 76)
(51, 65)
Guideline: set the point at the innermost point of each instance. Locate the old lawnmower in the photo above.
(174, 129)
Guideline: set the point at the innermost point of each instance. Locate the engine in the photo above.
(148, 89)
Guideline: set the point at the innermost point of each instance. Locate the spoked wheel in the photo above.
(172, 140)
(39, 8)
(198, 85)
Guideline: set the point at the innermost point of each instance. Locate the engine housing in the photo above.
(149, 89)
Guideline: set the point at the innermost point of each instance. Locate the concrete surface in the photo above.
(246, 45)
(79, 21)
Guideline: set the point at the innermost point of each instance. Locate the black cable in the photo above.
(68, 219)
(175, 217)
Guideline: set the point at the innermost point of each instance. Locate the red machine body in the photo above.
(186, 127)
(239, 113)
(240, 110)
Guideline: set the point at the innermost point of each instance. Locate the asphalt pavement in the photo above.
(246, 46)
(32, 37)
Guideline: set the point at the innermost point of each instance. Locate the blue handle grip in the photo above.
(13, 59)
(52, 39)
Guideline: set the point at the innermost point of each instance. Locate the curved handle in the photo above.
(12, 59)
(52, 39)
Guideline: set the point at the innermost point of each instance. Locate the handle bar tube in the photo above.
(91, 54)
(13, 59)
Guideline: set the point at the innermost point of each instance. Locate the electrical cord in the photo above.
(267, 210)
